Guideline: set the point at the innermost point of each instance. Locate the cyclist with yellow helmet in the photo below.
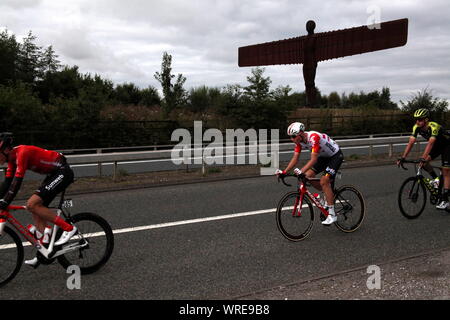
(438, 144)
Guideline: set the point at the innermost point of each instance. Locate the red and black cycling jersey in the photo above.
(23, 158)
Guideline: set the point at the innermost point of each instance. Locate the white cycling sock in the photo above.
(331, 210)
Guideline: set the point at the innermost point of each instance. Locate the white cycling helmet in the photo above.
(295, 128)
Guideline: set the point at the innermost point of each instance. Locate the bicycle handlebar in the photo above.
(411, 161)
(302, 177)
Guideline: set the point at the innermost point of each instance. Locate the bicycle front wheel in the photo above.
(96, 240)
(11, 255)
(412, 198)
(350, 208)
(294, 220)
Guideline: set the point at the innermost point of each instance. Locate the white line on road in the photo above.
(170, 224)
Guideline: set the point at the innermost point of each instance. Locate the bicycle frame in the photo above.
(49, 252)
(421, 178)
(303, 190)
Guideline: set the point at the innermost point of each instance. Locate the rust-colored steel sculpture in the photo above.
(315, 47)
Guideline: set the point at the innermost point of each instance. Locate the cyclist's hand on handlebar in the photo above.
(400, 161)
(299, 173)
(422, 162)
(279, 172)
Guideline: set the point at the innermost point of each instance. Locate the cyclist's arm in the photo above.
(311, 162)
(16, 174)
(410, 145)
(293, 161)
(5, 186)
(428, 148)
(9, 175)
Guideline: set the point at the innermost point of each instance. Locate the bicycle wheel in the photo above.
(350, 208)
(412, 198)
(293, 222)
(11, 255)
(97, 233)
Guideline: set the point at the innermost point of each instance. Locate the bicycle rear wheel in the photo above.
(96, 233)
(11, 255)
(294, 223)
(350, 208)
(412, 198)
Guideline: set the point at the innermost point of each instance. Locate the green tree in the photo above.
(174, 94)
(150, 97)
(259, 88)
(334, 100)
(49, 61)
(19, 107)
(29, 60)
(9, 52)
(425, 99)
(127, 94)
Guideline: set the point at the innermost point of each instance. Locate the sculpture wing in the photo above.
(347, 42)
(288, 51)
(328, 45)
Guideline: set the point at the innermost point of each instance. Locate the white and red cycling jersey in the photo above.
(318, 143)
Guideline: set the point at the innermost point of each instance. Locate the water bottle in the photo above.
(435, 183)
(34, 231)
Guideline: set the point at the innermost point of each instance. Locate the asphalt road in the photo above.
(228, 258)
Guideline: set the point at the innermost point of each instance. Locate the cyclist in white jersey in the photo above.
(326, 157)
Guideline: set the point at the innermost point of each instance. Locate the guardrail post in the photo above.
(391, 150)
(203, 165)
(115, 171)
(370, 151)
(99, 166)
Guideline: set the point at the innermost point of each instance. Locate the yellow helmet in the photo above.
(422, 113)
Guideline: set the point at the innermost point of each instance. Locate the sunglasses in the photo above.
(293, 136)
(420, 119)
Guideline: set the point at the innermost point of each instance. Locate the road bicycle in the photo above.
(295, 211)
(90, 248)
(412, 196)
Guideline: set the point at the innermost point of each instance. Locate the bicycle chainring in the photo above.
(44, 260)
(434, 199)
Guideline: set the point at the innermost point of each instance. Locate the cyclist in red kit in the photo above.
(50, 163)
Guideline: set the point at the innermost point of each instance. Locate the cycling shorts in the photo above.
(444, 152)
(329, 165)
(55, 183)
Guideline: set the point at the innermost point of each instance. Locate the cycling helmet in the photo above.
(422, 113)
(295, 128)
(6, 139)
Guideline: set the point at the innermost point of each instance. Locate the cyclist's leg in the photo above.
(41, 199)
(446, 176)
(334, 163)
(318, 167)
(428, 167)
(332, 167)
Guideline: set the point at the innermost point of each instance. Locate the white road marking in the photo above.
(169, 224)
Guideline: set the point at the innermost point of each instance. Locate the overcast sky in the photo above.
(124, 40)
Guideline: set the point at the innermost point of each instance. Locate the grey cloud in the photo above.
(125, 40)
